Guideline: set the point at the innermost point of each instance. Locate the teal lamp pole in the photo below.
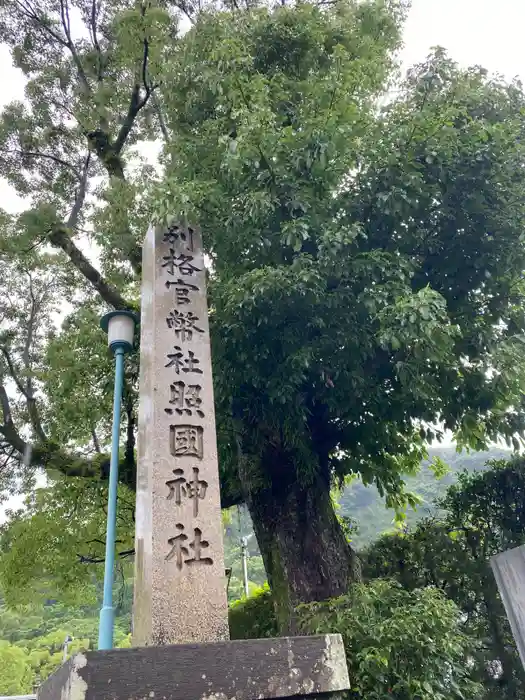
(120, 327)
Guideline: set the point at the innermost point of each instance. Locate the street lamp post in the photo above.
(120, 327)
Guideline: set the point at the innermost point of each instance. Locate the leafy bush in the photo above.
(254, 617)
(407, 645)
(15, 672)
(399, 644)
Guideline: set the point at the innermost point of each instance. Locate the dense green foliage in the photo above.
(254, 617)
(378, 623)
(408, 645)
(347, 297)
(366, 286)
(442, 561)
(366, 509)
(32, 640)
(481, 516)
(15, 676)
(365, 332)
(55, 547)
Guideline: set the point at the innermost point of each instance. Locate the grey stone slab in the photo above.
(297, 667)
(509, 572)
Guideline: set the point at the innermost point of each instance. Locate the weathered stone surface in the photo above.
(509, 572)
(180, 584)
(296, 667)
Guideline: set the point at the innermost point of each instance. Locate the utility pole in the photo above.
(67, 641)
(244, 548)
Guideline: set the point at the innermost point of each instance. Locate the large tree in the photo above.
(367, 264)
(366, 278)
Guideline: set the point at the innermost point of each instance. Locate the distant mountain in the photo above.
(364, 505)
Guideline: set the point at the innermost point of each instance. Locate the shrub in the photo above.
(399, 644)
(407, 645)
(254, 617)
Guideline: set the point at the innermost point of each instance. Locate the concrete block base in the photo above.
(295, 667)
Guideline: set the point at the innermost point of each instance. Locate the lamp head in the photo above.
(120, 327)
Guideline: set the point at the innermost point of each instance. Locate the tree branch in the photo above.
(12, 371)
(92, 560)
(66, 24)
(133, 110)
(96, 443)
(30, 13)
(60, 238)
(64, 16)
(32, 407)
(80, 195)
(110, 159)
(99, 541)
(44, 454)
(136, 102)
(8, 429)
(160, 117)
(7, 458)
(93, 28)
(135, 258)
(184, 7)
(26, 355)
(6, 408)
(47, 156)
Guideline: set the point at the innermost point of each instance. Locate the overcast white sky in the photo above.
(485, 32)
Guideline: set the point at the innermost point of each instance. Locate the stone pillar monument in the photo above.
(180, 585)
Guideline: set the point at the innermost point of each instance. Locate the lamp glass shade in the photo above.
(120, 327)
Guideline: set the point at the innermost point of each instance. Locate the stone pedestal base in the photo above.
(299, 667)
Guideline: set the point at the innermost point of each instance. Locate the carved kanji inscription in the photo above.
(182, 290)
(180, 262)
(184, 323)
(183, 363)
(180, 487)
(180, 587)
(185, 399)
(181, 549)
(178, 236)
(186, 441)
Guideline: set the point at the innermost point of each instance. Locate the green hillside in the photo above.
(366, 508)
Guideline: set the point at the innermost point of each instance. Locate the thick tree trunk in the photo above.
(305, 552)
